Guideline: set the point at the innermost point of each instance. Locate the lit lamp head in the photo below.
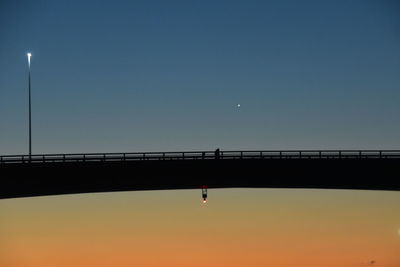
(29, 58)
(204, 194)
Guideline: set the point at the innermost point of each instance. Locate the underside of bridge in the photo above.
(40, 179)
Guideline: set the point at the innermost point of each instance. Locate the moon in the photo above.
(238, 105)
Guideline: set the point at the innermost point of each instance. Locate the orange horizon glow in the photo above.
(240, 227)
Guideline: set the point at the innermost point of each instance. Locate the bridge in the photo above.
(54, 174)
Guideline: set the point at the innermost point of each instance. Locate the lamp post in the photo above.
(30, 115)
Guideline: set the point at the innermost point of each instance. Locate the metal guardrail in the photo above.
(202, 155)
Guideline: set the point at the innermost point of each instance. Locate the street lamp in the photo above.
(30, 115)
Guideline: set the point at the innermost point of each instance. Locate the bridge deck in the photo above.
(202, 155)
(53, 174)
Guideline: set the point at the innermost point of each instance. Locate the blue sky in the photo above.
(111, 76)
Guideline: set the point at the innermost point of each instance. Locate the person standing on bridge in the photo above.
(217, 153)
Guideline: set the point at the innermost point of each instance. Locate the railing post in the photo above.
(340, 154)
(359, 154)
(300, 154)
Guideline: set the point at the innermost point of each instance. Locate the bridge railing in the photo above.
(202, 155)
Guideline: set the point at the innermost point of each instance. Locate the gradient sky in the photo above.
(172, 228)
(167, 75)
(114, 76)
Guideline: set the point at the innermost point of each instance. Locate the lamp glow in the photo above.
(29, 58)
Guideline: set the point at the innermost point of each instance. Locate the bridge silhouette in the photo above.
(54, 174)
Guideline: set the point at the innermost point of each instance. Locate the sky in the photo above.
(172, 228)
(152, 75)
(115, 76)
